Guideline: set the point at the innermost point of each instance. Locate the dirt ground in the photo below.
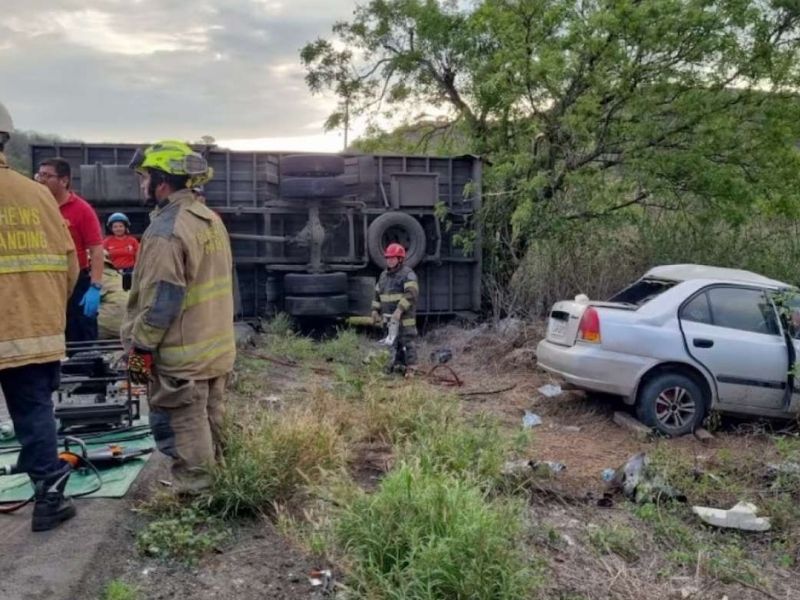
(500, 378)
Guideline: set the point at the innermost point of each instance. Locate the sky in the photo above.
(141, 70)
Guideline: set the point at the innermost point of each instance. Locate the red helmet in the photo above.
(394, 251)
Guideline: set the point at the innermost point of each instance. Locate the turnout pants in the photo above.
(80, 328)
(29, 396)
(186, 418)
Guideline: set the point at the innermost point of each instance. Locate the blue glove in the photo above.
(91, 302)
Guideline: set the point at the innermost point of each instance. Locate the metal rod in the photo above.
(258, 238)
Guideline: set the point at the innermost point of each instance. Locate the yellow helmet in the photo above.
(176, 158)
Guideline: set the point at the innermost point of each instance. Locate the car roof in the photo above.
(688, 272)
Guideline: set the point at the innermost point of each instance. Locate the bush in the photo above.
(426, 535)
(268, 457)
(185, 536)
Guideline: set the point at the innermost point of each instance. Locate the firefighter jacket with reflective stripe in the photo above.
(398, 289)
(180, 305)
(38, 270)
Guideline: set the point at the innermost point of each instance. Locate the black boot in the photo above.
(50, 507)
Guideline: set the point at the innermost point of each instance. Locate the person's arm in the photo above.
(163, 290)
(410, 295)
(73, 268)
(96, 256)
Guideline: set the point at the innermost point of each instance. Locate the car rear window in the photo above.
(642, 291)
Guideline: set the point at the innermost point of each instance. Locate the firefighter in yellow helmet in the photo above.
(178, 327)
(38, 271)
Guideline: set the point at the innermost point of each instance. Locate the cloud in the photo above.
(138, 70)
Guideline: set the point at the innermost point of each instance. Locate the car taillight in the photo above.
(589, 328)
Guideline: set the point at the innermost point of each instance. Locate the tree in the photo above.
(589, 109)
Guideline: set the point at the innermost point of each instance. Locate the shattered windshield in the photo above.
(641, 292)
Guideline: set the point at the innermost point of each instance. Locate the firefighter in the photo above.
(38, 271)
(179, 320)
(395, 301)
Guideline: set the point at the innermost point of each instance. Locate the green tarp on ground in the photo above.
(116, 481)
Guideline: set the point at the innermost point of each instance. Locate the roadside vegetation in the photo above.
(441, 517)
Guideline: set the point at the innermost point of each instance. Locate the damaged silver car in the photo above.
(680, 341)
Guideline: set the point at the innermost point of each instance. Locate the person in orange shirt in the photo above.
(121, 246)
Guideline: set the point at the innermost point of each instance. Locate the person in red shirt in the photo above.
(121, 246)
(84, 226)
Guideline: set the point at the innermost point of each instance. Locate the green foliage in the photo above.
(119, 590)
(185, 536)
(427, 535)
(621, 114)
(268, 457)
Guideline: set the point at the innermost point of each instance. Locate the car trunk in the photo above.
(565, 318)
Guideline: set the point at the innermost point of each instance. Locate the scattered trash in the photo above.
(572, 428)
(550, 390)
(641, 484)
(517, 469)
(742, 516)
(6, 430)
(608, 474)
(441, 356)
(553, 467)
(774, 470)
(322, 579)
(531, 420)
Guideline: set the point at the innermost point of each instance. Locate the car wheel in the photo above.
(672, 403)
(312, 187)
(396, 227)
(316, 306)
(311, 165)
(304, 284)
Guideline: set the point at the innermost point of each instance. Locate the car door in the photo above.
(734, 332)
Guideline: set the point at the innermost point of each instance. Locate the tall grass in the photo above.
(427, 535)
(268, 457)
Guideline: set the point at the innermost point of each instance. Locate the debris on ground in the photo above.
(638, 428)
(322, 579)
(553, 467)
(550, 390)
(531, 420)
(787, 468)
(703, 435)
(742, 516)
(441, 356)
(572, 428)
(517, 469)
(639, 483)
(608, 474)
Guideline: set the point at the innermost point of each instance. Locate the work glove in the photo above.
(140, 366)
(91, 302)
(377, 319)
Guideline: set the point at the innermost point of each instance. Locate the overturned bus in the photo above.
(308, 230)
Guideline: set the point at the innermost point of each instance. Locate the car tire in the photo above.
(316, 306)
(396, 227)
(672, 403)
(302, 284)
(311, 165)
(312, 187)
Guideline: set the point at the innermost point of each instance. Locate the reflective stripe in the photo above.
(409, 285)
(214, 288)
(146, 336)
(21, 263)
(412, 322)
(404, 304)
(179, 356)
(391, 297)
(35, 346)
